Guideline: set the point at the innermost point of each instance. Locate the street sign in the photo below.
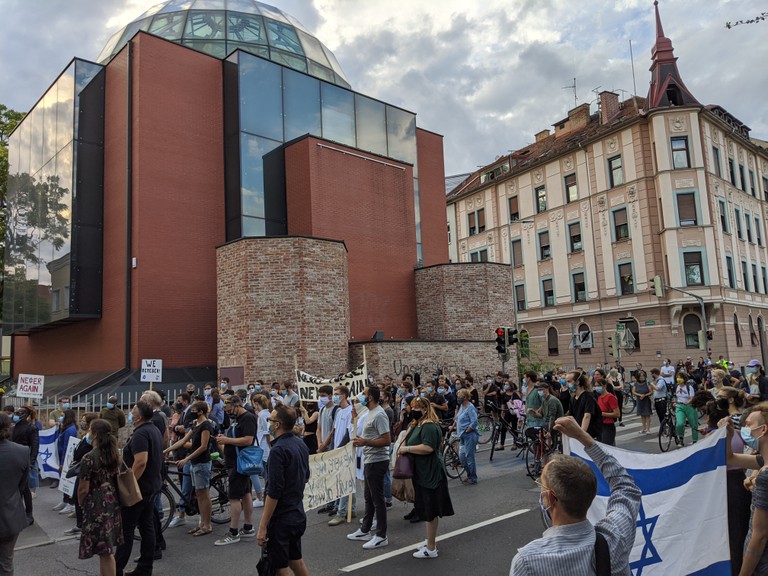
(30, 386)
(151, 370)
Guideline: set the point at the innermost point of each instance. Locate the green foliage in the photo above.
(9, 119)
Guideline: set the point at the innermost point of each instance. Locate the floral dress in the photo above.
(102, 526)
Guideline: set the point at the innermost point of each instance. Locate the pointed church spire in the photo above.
(667, 87)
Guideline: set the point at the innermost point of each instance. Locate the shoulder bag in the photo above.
(249, 460)
(128, 491)
(403, 464)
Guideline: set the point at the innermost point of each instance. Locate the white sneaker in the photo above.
(258, 503)
(425, 553)
(72, 531)
(178, 521)
(67, 509)
(59, 506)
(359, 535)
(376, 542)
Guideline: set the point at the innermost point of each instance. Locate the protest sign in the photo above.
(331, 476)
(308, 385)
(30, 386)
(67, 485)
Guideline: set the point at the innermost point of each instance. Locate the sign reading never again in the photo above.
(308, 385)
(30, 386)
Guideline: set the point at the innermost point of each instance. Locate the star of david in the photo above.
(46, 455)
(649, 555)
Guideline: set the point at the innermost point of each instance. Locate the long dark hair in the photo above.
(104, 445)
(70, 419)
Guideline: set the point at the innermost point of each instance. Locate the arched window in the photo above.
(752, 333)
(691, 328)
(552, 341)
(737, 330)
(632, 327)
(524, 344)
(584, 336)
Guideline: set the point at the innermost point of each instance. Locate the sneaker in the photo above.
(67, 509)
(621, 424)
(376, 542)
(359, 535)
(247, 533)
(72, 531)
(388, 504)
(336, 520)
(59, 506)
(425, 552)
(178, 521)
(228, 539)
(258, 503)
(72, 514)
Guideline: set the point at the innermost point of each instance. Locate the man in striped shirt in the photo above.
(568, 486)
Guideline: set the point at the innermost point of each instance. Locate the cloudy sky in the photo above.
(487, 75)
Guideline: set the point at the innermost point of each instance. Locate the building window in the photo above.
(742, 178)
(548, 292)
(615, 172)
(524, 344)
(732, 171)
(686, 209)
(479, 255)
(56, 301)
(626, 279)
(574, 233)
(745, 275)
(748, 224)
(476, 222)
(632, 327)
(540, 195)
(552, 346)
(520, 297)
(680, 155)
(755, 283)
(514, 209)
(737, 330)
(449, 233)
(739, 232)
(579, 287)
(571, 191)
(691, 328)
(583, 329)
(694, 271)
(765, 187)
(620, 225)
(716, 160)
(758, 232)
(752, 335)
(517, 253)
(544, 248)
(723, 216)
(752, 187)
(731, 273)
(765, 280)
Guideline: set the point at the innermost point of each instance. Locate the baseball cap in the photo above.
(754, 362)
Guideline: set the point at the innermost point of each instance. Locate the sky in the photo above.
(486, 75)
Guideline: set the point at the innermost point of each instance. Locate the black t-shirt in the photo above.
(586, 404)
(242, 426)
(196, 440)
(147, 438)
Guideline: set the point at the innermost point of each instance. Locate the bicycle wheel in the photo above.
(530, 458)
(666, 434)
(484, 428)
(494, 438)
(629, 404)
(167, 507)
(220, 512)
(451, 461)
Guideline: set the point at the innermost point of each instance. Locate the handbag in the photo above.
(403, 467)
(402, 489)
(249, 461)
(74, 469)
(128, 491)
(264, 567)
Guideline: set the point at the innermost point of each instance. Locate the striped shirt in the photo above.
(570, 549)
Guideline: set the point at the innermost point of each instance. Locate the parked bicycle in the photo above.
(484, 428)
(171, 494)
(630, 402)
(667, 429)
(542, 444)
(451, 460)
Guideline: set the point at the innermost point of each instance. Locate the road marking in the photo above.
(414, 547)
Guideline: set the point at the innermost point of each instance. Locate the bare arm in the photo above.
(756, 544)
(139, 464)
(180, 443)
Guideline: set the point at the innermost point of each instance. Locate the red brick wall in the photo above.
(434, 228)
(369, 205)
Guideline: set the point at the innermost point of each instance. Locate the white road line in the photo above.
(414, 547)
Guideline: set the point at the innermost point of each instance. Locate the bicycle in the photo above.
(668, 429)
(219, 490)
(630, 402)
(518, 435)
(451, 460)
(484, 428)
(541, 445)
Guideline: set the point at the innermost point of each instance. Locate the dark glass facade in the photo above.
(55, 196)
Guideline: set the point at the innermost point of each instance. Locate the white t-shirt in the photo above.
(262, 431)
(342, 425)
(684, 393)
(668, 373)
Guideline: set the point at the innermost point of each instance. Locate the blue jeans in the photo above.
(388, 481)
(467, 454)
(186, 485)
(34, 477)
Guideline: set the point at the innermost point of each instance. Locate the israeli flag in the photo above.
(48, 457)
(682, 526)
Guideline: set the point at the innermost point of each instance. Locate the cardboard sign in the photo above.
(151, 370)
(331, 476)
(67, 485)
(30, 386)
(308, 385)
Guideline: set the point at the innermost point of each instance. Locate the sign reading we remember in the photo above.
(30, 386)
(331, 476)
(308, 385)
(151, 370)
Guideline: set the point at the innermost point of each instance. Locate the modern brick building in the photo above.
(594, 210)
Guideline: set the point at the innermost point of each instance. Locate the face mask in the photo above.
(540, 393)
(223, 385)
(562, 381)
(61, 419)
(336, 399)
(110, 405)
(506, 387)
(544, 510)
(441, 390)
(525, 389)
(273, 393)
(130, 418)
(83, 426)
(489, 381)
(422, 395)
(194, 414)
(179, 406)
(322, 401)
(458, 386)
(429, 389)
(749, 440)
(65, 405)
(15, 418)
(283, 392)
(680, 381)
(362, 399)
(417, 414)
(257, 388)
(599, 389)
(88, 439)
(207, 392)
(271, 430)
(572, 387)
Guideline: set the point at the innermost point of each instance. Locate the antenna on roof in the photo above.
(634, 81)
(572, 87)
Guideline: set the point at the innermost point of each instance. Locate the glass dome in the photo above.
(218, 27)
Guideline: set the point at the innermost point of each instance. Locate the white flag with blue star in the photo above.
(682, 526)
(48, 457)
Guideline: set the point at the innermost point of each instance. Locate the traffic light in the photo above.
(710, 334)
(613, 342)
(501, 340)
(658, 286)
(511, 337)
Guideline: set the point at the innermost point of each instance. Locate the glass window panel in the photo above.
(301, 95)
(274, 14)
(48, 105)
(258, 50)
(168, 26)
(35, 121)
(206, 25)
(371, 125)
(84, 73)
(65, 108)
(283, 36)
(321, 71)
(313, 49)
(130, 30)
(287, 59)
(176, 5)
(217, 48)
(338, 114)
(240, 5)
(261, 98)
(252, 151)
(23, 132)
(334, 63)
(209, 4)
(401, 135)
(246, 28)
(254, 226)
(110, 46)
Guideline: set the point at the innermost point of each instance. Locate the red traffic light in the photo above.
(500, 332)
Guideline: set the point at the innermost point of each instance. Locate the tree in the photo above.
(9, 119)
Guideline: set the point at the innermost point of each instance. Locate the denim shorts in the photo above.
(201, 475)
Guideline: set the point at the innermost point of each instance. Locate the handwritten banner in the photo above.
(331, 476)
(308, 385)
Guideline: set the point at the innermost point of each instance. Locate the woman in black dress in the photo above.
(584, 406)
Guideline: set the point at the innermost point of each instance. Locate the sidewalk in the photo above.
(49, 526)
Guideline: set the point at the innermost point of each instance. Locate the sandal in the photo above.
(195, 529)
(203, 532)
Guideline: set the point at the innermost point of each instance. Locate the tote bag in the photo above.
(128, 490)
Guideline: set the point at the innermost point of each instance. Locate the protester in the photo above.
(310, 425)
(67, 424)
(660, 392)
(642, 392)
(97, 496)
(532, 399)
(262, 406)
(684, 411)
(13, 483)
(342, 431)
(290, 397)
(113, 414)
(84, 446)
(144, 455)
(429, 480)
(26, 434)
(283, 520)
(466, 429)
(54, 415)
(609, 406)
(184, 423)
(242, 433)
(616, 387)
(584, 407)
(551, 409)
(568, 486)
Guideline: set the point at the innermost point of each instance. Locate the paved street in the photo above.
(492, 520)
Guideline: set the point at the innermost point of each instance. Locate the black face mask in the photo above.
(417, 414)
(195, 414)
(179, 406)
